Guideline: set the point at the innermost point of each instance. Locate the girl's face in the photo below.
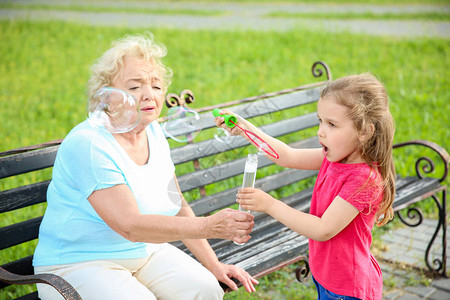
(141, 79)
(337, 134)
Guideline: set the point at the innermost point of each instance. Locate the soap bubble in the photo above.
(182, 125)
(117, 110)
(263, 149)
(223, 136)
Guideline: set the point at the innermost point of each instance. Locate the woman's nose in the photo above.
(148, 93)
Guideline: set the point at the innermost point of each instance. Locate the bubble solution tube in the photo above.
(251, 166)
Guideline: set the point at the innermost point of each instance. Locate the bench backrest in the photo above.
(209, 171)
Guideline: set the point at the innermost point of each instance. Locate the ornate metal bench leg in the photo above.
(439, 265)
(302, 273)
(444, 232)
(414, 217)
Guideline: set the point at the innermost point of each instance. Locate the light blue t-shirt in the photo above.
(90, 159)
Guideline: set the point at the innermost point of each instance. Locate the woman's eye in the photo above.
(157, 87)
(133, 88)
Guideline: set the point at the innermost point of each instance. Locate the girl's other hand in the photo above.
(255, 200)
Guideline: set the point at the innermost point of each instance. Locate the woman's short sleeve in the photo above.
(90, 162)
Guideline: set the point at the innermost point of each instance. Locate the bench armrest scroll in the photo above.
(62, 286)
(428, 167)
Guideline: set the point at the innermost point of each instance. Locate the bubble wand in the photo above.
(231, 120)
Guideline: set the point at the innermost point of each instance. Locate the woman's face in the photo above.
(142, 80)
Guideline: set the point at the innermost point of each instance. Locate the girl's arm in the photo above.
(337, 216)
(306, 159)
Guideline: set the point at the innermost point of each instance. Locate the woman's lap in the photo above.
(168, 274)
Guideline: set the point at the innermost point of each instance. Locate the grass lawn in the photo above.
(44, 67)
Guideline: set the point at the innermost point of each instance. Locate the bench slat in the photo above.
(269, 183)
(230, 169)
(27, 162)
(264, 222)
(220, 172)
(19, 233)
(23, 196)
(263, 241)
(255, 109)
(272, 256)
(31, 296)
(416, 190)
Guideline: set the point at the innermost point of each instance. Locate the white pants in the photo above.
(168, 273)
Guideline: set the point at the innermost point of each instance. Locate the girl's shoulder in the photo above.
(360, 172)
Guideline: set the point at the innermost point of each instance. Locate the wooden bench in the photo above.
(210, 174)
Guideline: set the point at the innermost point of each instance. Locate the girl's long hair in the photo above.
(368, 105)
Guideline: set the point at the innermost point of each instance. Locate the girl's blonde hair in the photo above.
(107, 67)
(368, 105)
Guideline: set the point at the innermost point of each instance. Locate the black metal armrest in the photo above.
(62, 286)
(425, 165)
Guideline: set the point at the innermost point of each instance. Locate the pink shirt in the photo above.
(344, 264)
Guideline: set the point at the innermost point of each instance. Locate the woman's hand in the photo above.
(230, 224)
(224, 273)
(255, 200)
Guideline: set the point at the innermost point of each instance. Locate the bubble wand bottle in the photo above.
(251, 166)
(231, 121)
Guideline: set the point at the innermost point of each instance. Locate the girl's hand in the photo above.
(255, 200)
(220, 122)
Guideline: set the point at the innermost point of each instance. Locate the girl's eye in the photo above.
(332, 124)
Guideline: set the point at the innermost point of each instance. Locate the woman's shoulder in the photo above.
(82, 137)
(84, 131)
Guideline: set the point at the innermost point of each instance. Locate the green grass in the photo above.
(44, 67)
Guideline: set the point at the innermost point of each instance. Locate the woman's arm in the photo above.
(337, 216)
(118, 208)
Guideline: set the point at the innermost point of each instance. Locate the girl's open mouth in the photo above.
(324, 150)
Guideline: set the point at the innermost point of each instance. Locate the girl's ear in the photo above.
(367, 133)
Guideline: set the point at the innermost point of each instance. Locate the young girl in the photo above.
(354, 188)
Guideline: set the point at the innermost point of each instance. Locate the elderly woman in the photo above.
(111, 210)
